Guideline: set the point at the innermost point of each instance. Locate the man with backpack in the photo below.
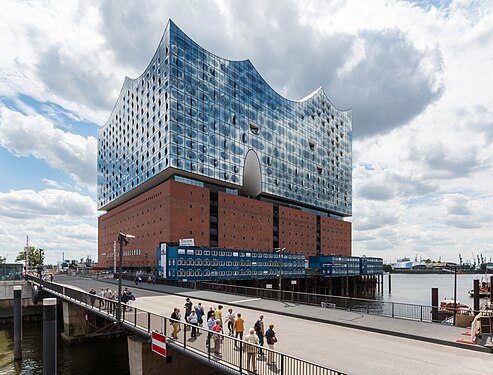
(259, 330)
(188, 309)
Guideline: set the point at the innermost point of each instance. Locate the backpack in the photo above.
(256, 326)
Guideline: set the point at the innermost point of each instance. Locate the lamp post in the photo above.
(455, 293)
(279, 251)
(123, 240)
(347, 278)
(40, 265)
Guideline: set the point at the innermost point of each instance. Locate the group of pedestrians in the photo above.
(257, 335)
(107, 295)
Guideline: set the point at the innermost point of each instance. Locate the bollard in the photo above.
(17, 322)
(476, 297)
(434, 303)
(491, 289)
(49, 337)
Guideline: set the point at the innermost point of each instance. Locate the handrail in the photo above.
(423, 313)
(228, 351)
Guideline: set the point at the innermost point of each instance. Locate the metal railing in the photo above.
(422, 313)
(226, 351)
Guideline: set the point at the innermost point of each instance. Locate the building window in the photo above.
(254, 128)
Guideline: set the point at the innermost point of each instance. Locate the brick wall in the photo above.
(297, 231)
(166, 213)
(335, 236)
(244, 223)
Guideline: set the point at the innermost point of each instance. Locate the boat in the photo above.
(449, 306)
(484, 288)
(446, 312)
(484, 291)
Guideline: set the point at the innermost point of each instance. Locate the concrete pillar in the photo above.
(74, 322)
(17, 322)
(142, 360)
(49, 337)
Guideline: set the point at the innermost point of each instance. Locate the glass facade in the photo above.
(194, 113)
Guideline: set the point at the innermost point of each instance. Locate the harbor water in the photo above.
(416, 288)
(105, 356)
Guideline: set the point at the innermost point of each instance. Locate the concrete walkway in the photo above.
(423, 331)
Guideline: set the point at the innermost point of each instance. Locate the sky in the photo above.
(418, 76)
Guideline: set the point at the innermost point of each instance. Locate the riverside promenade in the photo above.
(348, 341)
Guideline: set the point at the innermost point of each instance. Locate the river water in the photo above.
(416, 288)
(104, 357)
(95, 357)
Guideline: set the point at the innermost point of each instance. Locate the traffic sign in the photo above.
(158, 343)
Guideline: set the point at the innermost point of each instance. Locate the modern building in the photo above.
(200, 147)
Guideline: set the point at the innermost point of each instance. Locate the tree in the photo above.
(34, 255)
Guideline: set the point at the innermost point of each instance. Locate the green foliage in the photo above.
(35, 256)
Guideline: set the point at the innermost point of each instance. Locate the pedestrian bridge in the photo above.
(142, 322)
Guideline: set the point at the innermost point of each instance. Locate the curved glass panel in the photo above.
(191, 105)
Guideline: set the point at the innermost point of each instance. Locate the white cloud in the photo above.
(27, 204)
(55, 220)
(34, 135)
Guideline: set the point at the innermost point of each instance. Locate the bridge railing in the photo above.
(226, 351)
(422, 313)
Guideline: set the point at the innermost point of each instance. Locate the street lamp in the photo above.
(455, 293)
(123, 239)
(279, 251)
(347, 279)
(40, 265)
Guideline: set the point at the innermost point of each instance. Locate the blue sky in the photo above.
(417, 75)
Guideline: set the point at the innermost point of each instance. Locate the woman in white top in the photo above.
(251, 350)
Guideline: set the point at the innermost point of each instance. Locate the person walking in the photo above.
(239, 327)
(106, 296)
(270, 335)
(230, 320)
(188, 308)
(130, 299)
(124, 298)
(192, 319)
(101, 301)
(259, 330)
(176, 316)
(210, 313)
(210, 326)
(251, 350)
(202, 313)
(92, 298)
(218, 315)
(217, 337)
